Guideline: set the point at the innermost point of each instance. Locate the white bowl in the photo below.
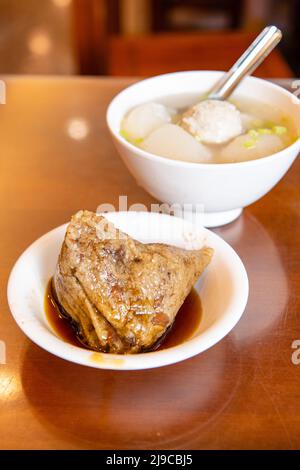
(223, 289)
(222, 189)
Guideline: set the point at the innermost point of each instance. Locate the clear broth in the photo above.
(265, 116)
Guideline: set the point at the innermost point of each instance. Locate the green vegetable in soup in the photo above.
(279, 130)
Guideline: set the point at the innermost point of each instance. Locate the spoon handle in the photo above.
(247, 63)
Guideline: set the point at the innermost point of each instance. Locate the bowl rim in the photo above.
(48, 340)
(180, 163)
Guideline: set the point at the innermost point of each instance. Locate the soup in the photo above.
(182, 127)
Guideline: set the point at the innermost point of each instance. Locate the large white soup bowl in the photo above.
(223, 190)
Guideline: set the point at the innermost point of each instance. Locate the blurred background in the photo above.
(141, 37)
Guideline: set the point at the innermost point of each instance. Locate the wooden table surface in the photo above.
(242, 393)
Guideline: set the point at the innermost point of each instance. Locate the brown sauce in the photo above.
(186, 323)
(58, 322)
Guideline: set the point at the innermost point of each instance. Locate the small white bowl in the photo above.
(223, 289)
(222, 189)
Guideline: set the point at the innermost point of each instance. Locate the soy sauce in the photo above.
(59, 322)
(186, 323)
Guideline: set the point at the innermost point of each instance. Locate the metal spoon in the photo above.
(247, 63)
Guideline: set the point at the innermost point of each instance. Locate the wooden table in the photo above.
(242, 393)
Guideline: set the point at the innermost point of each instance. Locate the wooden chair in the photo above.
(101, 49)
(93, 21)
(161, 53)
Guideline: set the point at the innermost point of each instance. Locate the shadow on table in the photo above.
(169, 407)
